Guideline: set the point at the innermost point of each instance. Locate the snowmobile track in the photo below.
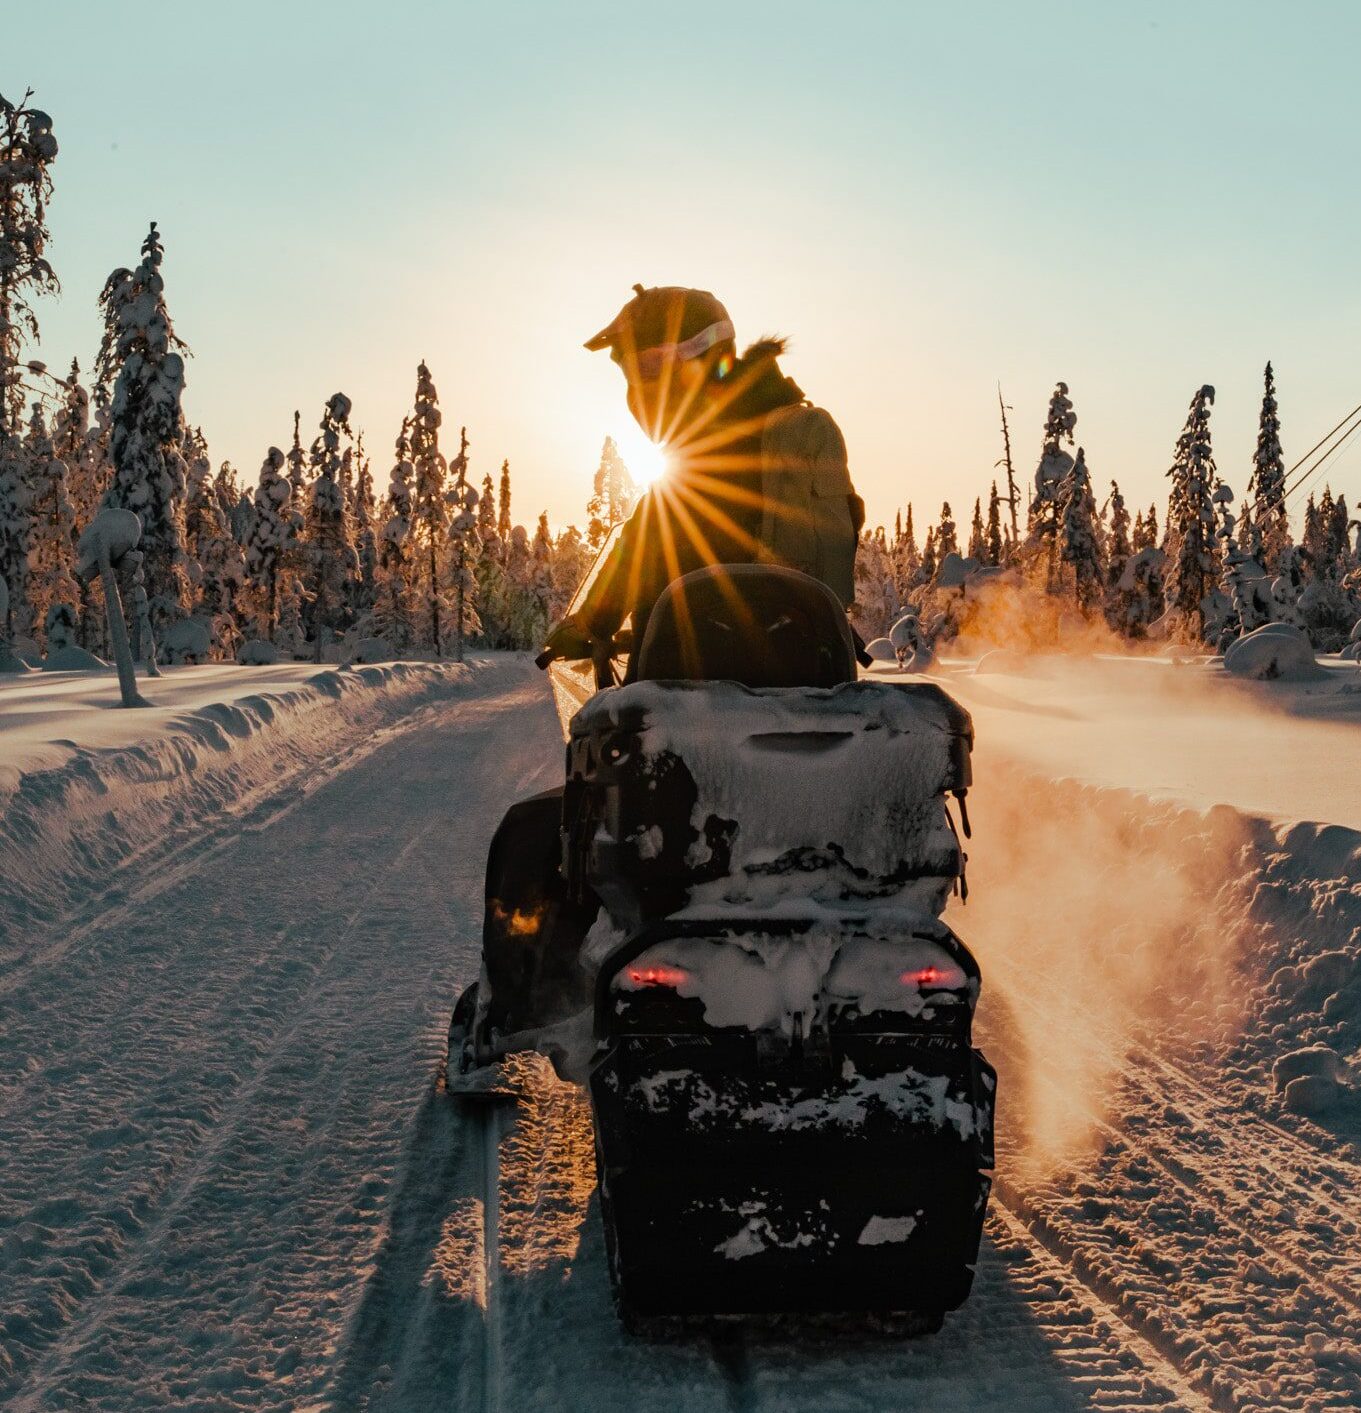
(1107, 1322)
(83, 1315)
(1241, 1176)
(255, 812)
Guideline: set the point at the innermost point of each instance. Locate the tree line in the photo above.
(310, 557)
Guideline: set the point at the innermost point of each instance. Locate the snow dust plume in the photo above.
(1100, 919)
(1007, 613)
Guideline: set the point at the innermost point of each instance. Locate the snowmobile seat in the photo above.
(757, 624)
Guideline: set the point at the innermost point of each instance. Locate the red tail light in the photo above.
(658, 976)
(933, 976)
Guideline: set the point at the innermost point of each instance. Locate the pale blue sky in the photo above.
(925, 198)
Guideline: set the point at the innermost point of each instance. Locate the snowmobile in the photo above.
(745, 875)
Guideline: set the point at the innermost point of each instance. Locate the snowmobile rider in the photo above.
(756, 473)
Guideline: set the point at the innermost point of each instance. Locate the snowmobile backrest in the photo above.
(757, 624)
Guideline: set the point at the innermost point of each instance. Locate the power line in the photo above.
(1313, 471)
(1328, 437)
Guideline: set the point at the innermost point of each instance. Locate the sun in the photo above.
(646, 461)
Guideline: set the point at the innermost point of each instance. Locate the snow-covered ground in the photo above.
(230, 1175)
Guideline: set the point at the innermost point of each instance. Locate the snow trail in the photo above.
(231, 1175)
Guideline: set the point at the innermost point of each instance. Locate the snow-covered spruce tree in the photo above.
(52, 519)
(907, 559)
(1080, 536)
(141, 352)
(462, 499)
(993, 535)
(926, 571)
(297, 465)
(1245, 585)
(947, 539)
(273, 543)
(1266, 485)
(978, 545)
(541, 553)
(329, 558)
(503, 524)
(1042, 528)
(492, 587)
(365, 536)
(571, 561)
(217, 562)
(612, 495)
(394, 610)
(1189, 537)
(877, 603)
(429, 511)
(27, 151)
(1118, 547)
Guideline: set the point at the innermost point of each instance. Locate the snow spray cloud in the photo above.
(1102, 922)
(1006, 612)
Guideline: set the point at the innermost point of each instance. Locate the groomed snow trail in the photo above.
(230, 1175)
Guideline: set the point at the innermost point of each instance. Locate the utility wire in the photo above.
(1292, 491)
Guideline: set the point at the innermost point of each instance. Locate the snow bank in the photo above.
(87, 793)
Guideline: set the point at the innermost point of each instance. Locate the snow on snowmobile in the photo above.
(745, 875)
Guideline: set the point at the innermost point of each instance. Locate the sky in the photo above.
(926, 199)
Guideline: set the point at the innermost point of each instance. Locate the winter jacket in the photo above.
(777, 489)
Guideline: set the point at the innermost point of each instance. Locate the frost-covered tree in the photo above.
(463, 547)
(273, 542)
(1118, 547)
(329, 557)
(612, 495)
(141, 352)
(1245, 586)
(926, 573)
(394, 608)
(365, 535)
(978, 545)
(876, 595)
(503, 523)
(1266, 485)
(1052, 472)
(429, 511)
(993, 535)
(1189, 539)
(297, 465)
(1080, 537)
(52, 519)
(27, 151)
(947, 539)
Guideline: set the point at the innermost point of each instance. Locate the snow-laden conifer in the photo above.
(993, 536)
(1052, 471)
(273, 542)
(612, 495)
(1192, 560)
(52, 521)
(394, 610)
(141, 352)
(978, 545)
(1266, 485)
(462, 500)
(1080, 542)
(947, 539)
(429, 511)
(331, 563)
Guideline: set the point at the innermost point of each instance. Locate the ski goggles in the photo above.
(649, 362)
